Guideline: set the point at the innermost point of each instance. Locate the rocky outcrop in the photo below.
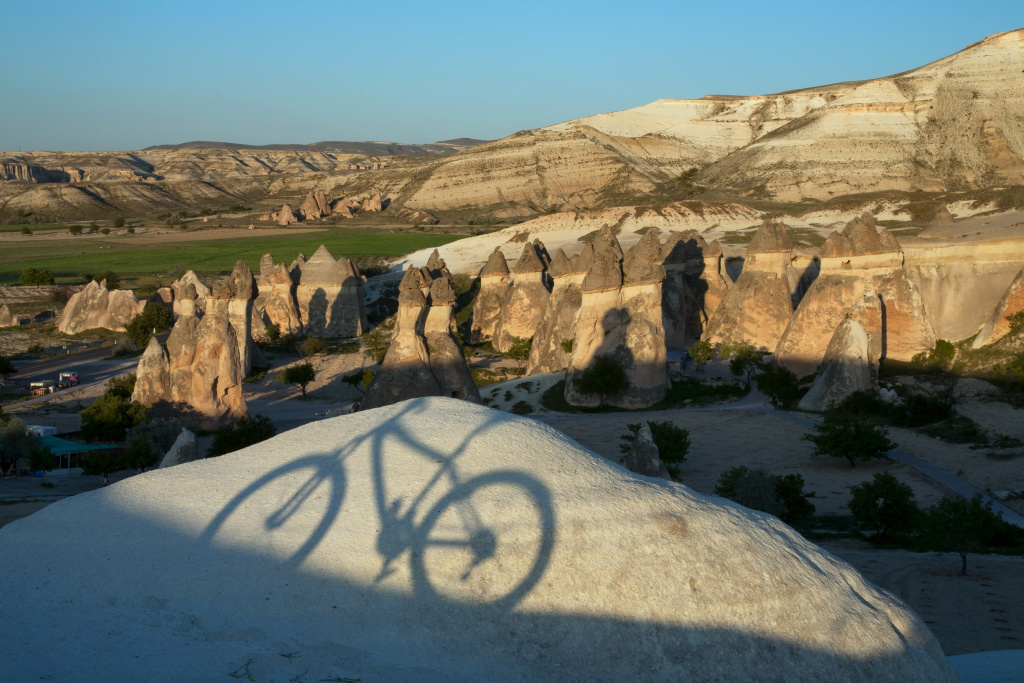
(202, 370)
(643, 457)
(846, 368)
(96, 307)
(527, 298)
(7, 318)
(276, 303)
(998, 326)
(858, 260)
(694, 286)
(371, 205)
(757, 308)
(329, 296)
(181, 451)
(557, 327)
(285, 216)
(315, 206)
(423, 358)
(196, 302)
(620, 317)
(437, 267)
(494, 286)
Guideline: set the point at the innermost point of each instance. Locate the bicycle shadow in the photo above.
(451, 528)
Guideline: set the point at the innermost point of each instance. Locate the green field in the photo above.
(126, 256)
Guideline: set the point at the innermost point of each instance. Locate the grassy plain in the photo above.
(128, 255)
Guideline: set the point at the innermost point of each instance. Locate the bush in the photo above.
(139, 455)
(566, 345)
(605, 377)
(360, 379)
(886, 505)
(938, 359)
(673, 443)
(105, 231)
(112, 278)
(311, 346)
(778, 383)
(26, 230)
(75, 229)
(918, 410)
(377, 340)
(154, 318)
(131, 231)
(1009, 377)
(245, 432)
(110, 417)
(519, 350)
(119, 222)
(844, 435)
(36, 276)
(1016, 321)
(968, 526)
(123, 385)
(299, 375)
(273, 332)
(160, 434)
(702, 352)
(745, 359)
(779, 495)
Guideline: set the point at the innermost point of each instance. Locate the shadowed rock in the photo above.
(286, 216)
(558, 323)
(329, 296)
(276, 302)
(845, 369)
(181, 451)
(998, 326)
(643, 457)
(315, 206)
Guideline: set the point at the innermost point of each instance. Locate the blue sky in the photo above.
(124, 75)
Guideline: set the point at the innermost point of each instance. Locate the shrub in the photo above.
(777, 382)
(139, 455)
(273, 332)
(918, 410)
(245, 432)
(299, 375)
(377, 340)
(521, 408)
(745, 360)
(843, 435)
(1016, 321)
(36, 276)
(605, 377)
(519, 351)
(160, 434)
(311, 346)
(938, 359)
(360, 379)
(886, 505)
(1009, 377)
(967, 526)
(123, 385)
(702, 352)
(25, 230)
(779, 495)
(673, 442)
(154, 318)
(110, 417)
(119, 222)
(105, 231)
(566, 345)
(75, 229)
(131, 231)
(112, 278)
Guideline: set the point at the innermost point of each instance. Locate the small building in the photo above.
(68, 453)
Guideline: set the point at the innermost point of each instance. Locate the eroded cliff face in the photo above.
(620, 317)
(526, 300)
(856, 261)
(329, 296)
(694, 286)
(557, 325)
(494, 284)
(758, 307)
(998, 324)
(96, 307)
(276, 303)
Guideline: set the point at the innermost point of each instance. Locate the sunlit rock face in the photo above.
(494, 285)
(436, 540)
(526, 300)
(758, 307)
(846, 368)
(557, 325)
(852, 262)
(998, 325)
(96, 307)
(276, 304)
(330, 296)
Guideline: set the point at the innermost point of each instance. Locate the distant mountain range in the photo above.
(341, 147)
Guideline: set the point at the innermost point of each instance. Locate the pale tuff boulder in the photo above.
(330, 296)
(998, 326)
(846, 368)
(423, 358)
(7, 318)
(437, 267)
(479, 545)
(315, 206)
(276, 303)
(285, 216)
(858, 260)
(371, 205)
(96, 307)
(757, 308)
(494, 286)
(643, 456)
(620, 316)
(346, 207)
(527, 298)
(196, 301)
(557, 326)
(183, 450)
(153, 375)
(239, 290)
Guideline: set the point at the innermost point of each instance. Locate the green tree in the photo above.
(154, 318)
(886, 505)
(110, 417)
(311, 346)
(273, 332)
(777, 382)
(112, 278)
(605, 377)
(75, 229)
(519, 351)
(702, 353)
(1009, 377)
(122, 385)
(377, 340)
(1016, 321)
(119, 222)
(780, 495)
(566, 345)
(102, 463)
(745, 360)
(16, 441)
(299, 375)
(963, 526)
(245, 432)
(36, 276)
(842, 435)
(139, 455)
(361, 379)
(41, 460)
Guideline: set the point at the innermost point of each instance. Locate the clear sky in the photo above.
(105, 75)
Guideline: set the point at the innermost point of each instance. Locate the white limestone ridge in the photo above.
(434, 540)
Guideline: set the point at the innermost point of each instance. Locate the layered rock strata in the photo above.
(423, 358)
(494, 286)
(620, 317)
(329, 296)
(757, 308)
(557, 327)
(96, 307)
(527, 298)
(860, 259)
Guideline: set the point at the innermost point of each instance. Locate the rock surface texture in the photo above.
(276, 303)
(860, 259)
(438, 540)
(846, 368)
(96, 307)
(330, 296)
(557, 326)
(620, 317)
(494, 286)
(7, 318)
(694, 286)
(181, 451)
(998, 326)
(757, 308)
(527, 298)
